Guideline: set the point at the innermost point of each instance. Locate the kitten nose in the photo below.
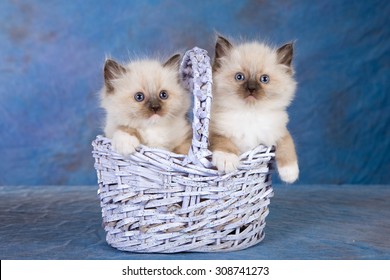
(155, 107)
(252, 86)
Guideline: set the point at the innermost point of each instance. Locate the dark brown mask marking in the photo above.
(252, 85)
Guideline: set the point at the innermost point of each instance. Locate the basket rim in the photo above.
(179, 162)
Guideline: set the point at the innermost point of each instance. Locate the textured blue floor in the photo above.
(305, 222)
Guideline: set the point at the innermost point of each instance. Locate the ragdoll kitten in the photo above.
(252, 86)
(145, 104)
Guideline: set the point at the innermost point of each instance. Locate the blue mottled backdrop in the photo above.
(52, 53)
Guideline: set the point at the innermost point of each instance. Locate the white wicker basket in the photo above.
(157, 201)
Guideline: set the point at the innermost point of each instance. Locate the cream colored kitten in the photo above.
(145, 104)
(252, 86)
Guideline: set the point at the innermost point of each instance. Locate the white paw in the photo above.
(124, 143)
(289, 173)
(226, 162)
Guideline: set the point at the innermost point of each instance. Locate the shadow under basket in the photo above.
(158, 201)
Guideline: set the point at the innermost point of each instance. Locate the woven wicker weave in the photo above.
(157, 201)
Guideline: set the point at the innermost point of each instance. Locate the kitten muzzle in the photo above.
(250, 98)
(251, 90)
(154, 118)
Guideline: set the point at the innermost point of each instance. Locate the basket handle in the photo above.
(196, 74)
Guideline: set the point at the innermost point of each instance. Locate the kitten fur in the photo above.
(247, 112)
(155, 121)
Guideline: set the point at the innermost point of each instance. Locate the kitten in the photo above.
(253, 85)
(146, 104)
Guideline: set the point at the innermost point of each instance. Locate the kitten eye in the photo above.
(139, 97)
(264, 79)
(164, 95)
(240, 77)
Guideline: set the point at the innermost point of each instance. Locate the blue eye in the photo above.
(264, 79)
(139, 97)
(239, 76)
(164, 95)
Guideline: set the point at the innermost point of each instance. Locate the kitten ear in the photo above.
(173, 61)
(112, 70)
(222, 47)
(285, 54)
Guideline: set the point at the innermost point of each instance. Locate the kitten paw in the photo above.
(226, 162)
(124, 143)
(289, 173)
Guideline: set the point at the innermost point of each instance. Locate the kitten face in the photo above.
(253, 74)
(144, 92)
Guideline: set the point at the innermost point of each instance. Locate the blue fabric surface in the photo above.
(52, 54)
(305, 222)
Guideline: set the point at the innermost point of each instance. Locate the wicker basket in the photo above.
(157, 201)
